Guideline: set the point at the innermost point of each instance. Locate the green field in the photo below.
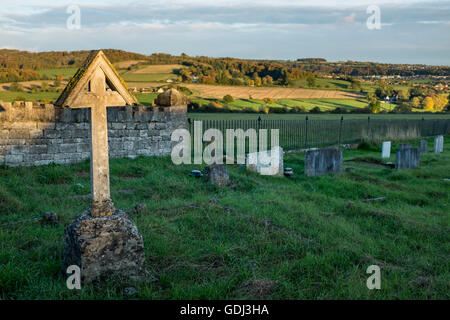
(67, 73)
(325, 104)
(27, 96)
(147, 77)
(328, 116)
(260, 237)
(324, 83)
(306, 104)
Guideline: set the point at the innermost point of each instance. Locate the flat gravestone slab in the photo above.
(407, 158)
(323, 161)
(266, 163)
(386, 150)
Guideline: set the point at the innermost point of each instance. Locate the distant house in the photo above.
(440, 87)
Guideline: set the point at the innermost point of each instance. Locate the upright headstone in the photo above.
(266, 163)
(423, 146)
(407, 158)
(439, 144)
(322, 161)
(386, 150)
(103, 242)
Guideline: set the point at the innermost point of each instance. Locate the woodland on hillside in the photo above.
(18, 65)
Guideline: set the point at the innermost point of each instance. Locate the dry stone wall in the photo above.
(39, 134)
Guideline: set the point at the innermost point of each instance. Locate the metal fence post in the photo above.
(368, 128)
(340, 131)
(306, 133)
(259, 129)
(421, 127)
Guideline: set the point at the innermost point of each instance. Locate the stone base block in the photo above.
(217, 174)
(104, 247)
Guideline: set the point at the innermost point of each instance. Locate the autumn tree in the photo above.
(268, 100)
(58, 80)
(374, 105)
(228, 98)
(15, 87)
(311, 81)
(415, 102)
(403, 94)
(428, 104)
(440, 101)
(44, 86)
(356, 85)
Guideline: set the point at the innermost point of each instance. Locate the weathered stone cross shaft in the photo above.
(99, 99)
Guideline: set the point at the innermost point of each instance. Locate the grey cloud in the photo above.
(243, 31)
(100, 16)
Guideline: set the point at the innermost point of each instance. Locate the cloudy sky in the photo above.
(412, 31)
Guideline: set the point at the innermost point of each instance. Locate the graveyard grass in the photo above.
(261, 237)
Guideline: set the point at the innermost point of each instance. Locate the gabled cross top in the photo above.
(88, 89)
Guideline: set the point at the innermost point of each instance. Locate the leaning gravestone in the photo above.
(423, 146)
(103, 242)
(266, 163)
(407, 158)
(386, 150)
(439, 144)
(322, 161)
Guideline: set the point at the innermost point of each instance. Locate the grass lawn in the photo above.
(28, 96)
(261, 237)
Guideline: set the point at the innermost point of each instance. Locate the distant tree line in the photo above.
(230, 71)
(13, 75)
(15, 59)
(360, 69)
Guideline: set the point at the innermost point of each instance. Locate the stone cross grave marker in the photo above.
(102, 242)
(97, 85)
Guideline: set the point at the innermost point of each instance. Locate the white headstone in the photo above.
(266, 163)
(386, 150)
(439, 144)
